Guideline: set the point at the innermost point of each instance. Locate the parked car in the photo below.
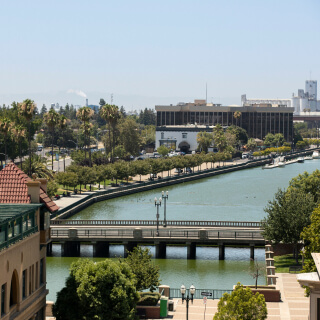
(40, 148)
(178, 170)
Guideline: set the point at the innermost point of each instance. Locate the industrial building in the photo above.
(304, 102)
(178, 125)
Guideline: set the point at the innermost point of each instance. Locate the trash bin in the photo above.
(170, 305)
(163, 307)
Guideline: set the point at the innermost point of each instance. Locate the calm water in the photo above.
(240, 195)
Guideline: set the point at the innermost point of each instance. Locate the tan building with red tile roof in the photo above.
(17, 187)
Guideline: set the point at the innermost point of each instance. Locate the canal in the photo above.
(237, 196)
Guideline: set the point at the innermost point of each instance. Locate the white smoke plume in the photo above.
(78, 92)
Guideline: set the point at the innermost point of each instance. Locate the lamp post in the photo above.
(165, 197)
(157, 204)
(75, 144)
(192, 291)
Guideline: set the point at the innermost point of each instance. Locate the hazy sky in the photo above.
(153, 52)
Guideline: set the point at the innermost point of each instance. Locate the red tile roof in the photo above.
(13, 188)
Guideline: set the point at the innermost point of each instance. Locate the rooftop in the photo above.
(13, 188)
(10, 211)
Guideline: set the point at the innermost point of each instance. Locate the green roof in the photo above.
(12, 211)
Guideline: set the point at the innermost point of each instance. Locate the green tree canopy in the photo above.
(288, 214)
(308, 183)
(146, 272)
(218, 137)
(97, 290)
(163, 150)
(311, 238)
(204, 140)
(241, 304)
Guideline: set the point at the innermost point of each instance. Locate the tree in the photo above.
(219, 139)
(288, 214)
(204, 140)
(237, 115)
(163, 150)
(311, 238)
(241, 304)
(85, 114)
(129, 136)
(51, 119)
(26, 110)
(251, 145)
(5, 128)
(146, 272)
(97, 290)
(38, 166)
(19, 133)
(308, 183)
(110, 113)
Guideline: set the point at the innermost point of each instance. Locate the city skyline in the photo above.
(156, 53)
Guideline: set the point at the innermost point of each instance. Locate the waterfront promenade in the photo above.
(294, 305)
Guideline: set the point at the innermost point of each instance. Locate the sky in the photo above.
(149, 52)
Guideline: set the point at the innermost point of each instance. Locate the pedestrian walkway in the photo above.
(294, 305)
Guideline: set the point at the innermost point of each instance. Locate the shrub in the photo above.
(148, 298)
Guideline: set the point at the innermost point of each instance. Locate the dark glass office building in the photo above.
(258, 121)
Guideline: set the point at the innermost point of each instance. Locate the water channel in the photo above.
(236, 196)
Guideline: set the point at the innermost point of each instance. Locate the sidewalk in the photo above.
(294, 305)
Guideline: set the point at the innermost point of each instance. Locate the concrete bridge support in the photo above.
(221, 251)
(70, 249)
(128, 247)
(100, 249)
(49, 249)
(252, 251)
(191, 250)
(161, 250)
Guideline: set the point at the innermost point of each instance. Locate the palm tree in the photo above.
(62, 123)
(85, 114)
(237, 116)
(5, 128)
(51, 119)
(19, 133)
(38, 166)
(110, 113)
(26, 110)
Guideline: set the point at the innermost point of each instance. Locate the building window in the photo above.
(184, 135)
(3, 299)
(162, 135)
(24, 280)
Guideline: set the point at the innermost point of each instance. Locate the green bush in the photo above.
(148, 298)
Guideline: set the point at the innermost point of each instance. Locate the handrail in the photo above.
(175, 223)
(104, 233)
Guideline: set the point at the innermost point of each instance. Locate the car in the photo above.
(40, 148)
(188, 170)
(178, 170)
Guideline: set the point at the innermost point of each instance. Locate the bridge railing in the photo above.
(105, 233)
(215, 293)
(169, 223)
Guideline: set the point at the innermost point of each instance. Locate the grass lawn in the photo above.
(282, 263)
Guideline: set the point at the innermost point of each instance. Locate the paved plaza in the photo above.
(294, 305)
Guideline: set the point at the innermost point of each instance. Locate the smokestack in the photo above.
(86, 102)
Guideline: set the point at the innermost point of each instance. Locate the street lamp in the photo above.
(157, 204)
(192, 291)
(165, 197)
(75, 144)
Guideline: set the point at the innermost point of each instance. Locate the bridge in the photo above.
(101, 233)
